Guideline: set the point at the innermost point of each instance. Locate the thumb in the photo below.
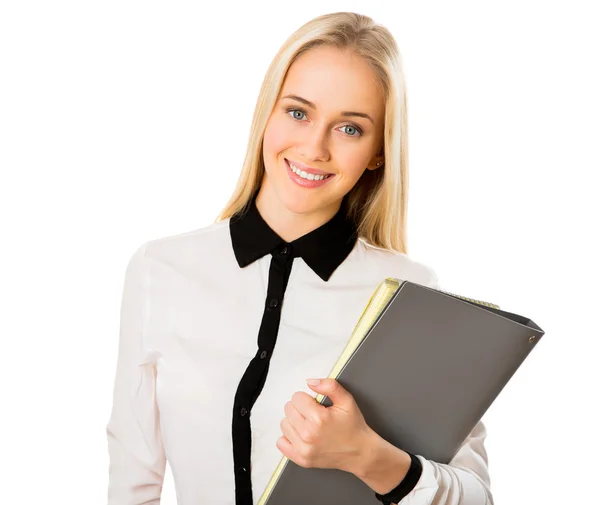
(331, 388)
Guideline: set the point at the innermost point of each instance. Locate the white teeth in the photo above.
(304, 175)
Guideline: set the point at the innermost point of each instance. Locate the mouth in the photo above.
(307, 178)
(304, 171)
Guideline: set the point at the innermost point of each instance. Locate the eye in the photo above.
(296, 110)
(357, 130)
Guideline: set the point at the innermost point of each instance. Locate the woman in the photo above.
(232, 319)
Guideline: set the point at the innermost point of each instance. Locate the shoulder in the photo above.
(213, 238)
(388, 263)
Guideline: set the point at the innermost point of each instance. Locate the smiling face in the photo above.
(328, 119)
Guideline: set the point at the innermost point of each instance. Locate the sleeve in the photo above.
(465, 480)
(137, 459)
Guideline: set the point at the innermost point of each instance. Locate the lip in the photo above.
(308, 170)
(305, 183)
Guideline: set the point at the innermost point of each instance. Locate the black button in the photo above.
(241, 469)
(273, 303)
(243, 411)
(284, 250)
(263, 354)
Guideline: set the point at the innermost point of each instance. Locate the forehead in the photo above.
(334, 80)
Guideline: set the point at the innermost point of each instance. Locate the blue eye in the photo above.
(356, 128)
(296, 110)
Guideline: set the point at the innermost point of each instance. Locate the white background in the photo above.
(122, 122)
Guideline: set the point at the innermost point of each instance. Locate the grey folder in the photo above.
(444, 359)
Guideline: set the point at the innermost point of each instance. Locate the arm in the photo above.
(137, 459)
(463, 481)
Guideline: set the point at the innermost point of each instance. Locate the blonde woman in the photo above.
(221, 327)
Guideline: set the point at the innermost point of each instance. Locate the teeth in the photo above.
(304, 175)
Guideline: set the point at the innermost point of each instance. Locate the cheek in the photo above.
(276, 139)
(353, 168)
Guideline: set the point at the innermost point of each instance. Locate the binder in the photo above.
(462, 351)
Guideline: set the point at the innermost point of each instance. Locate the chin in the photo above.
(294, 198)
(306, 204)
(299, 204)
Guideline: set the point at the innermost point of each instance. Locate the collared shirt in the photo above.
(219, 327)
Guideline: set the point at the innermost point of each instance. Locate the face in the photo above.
(318, 137)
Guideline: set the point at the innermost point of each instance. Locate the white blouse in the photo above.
(189, 321)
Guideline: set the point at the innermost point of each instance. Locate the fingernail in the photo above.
(313, 382)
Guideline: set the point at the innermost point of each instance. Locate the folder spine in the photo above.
(480, 302)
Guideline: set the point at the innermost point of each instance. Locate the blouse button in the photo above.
(243, 411)
(273, 303)
(241, 469)
(284, 250)
(263, 355)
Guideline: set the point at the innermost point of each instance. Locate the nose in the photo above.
(314, 145)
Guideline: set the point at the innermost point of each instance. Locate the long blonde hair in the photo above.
(378, 202)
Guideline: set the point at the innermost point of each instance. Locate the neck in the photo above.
(289, 225)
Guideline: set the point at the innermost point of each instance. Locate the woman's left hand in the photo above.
(315, 436)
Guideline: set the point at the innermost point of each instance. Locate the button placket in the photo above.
(255, 375)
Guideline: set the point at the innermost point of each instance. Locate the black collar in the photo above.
(323, 249)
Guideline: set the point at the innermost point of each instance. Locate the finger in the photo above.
(340, 397)
(307, 406)
(285, 446)
(290, 432)
(296, 419)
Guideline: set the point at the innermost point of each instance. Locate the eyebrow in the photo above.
(313, 106)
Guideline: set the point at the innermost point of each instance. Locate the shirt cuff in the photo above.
(407, 484)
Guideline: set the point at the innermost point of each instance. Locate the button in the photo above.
(273, 303)
(284, 250)
(242, 469)
(263, 354)
(243, 411)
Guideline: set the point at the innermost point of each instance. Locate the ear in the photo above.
(376, 163)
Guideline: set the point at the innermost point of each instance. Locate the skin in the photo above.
(335, 81)
(315, 436)
(320, 137)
